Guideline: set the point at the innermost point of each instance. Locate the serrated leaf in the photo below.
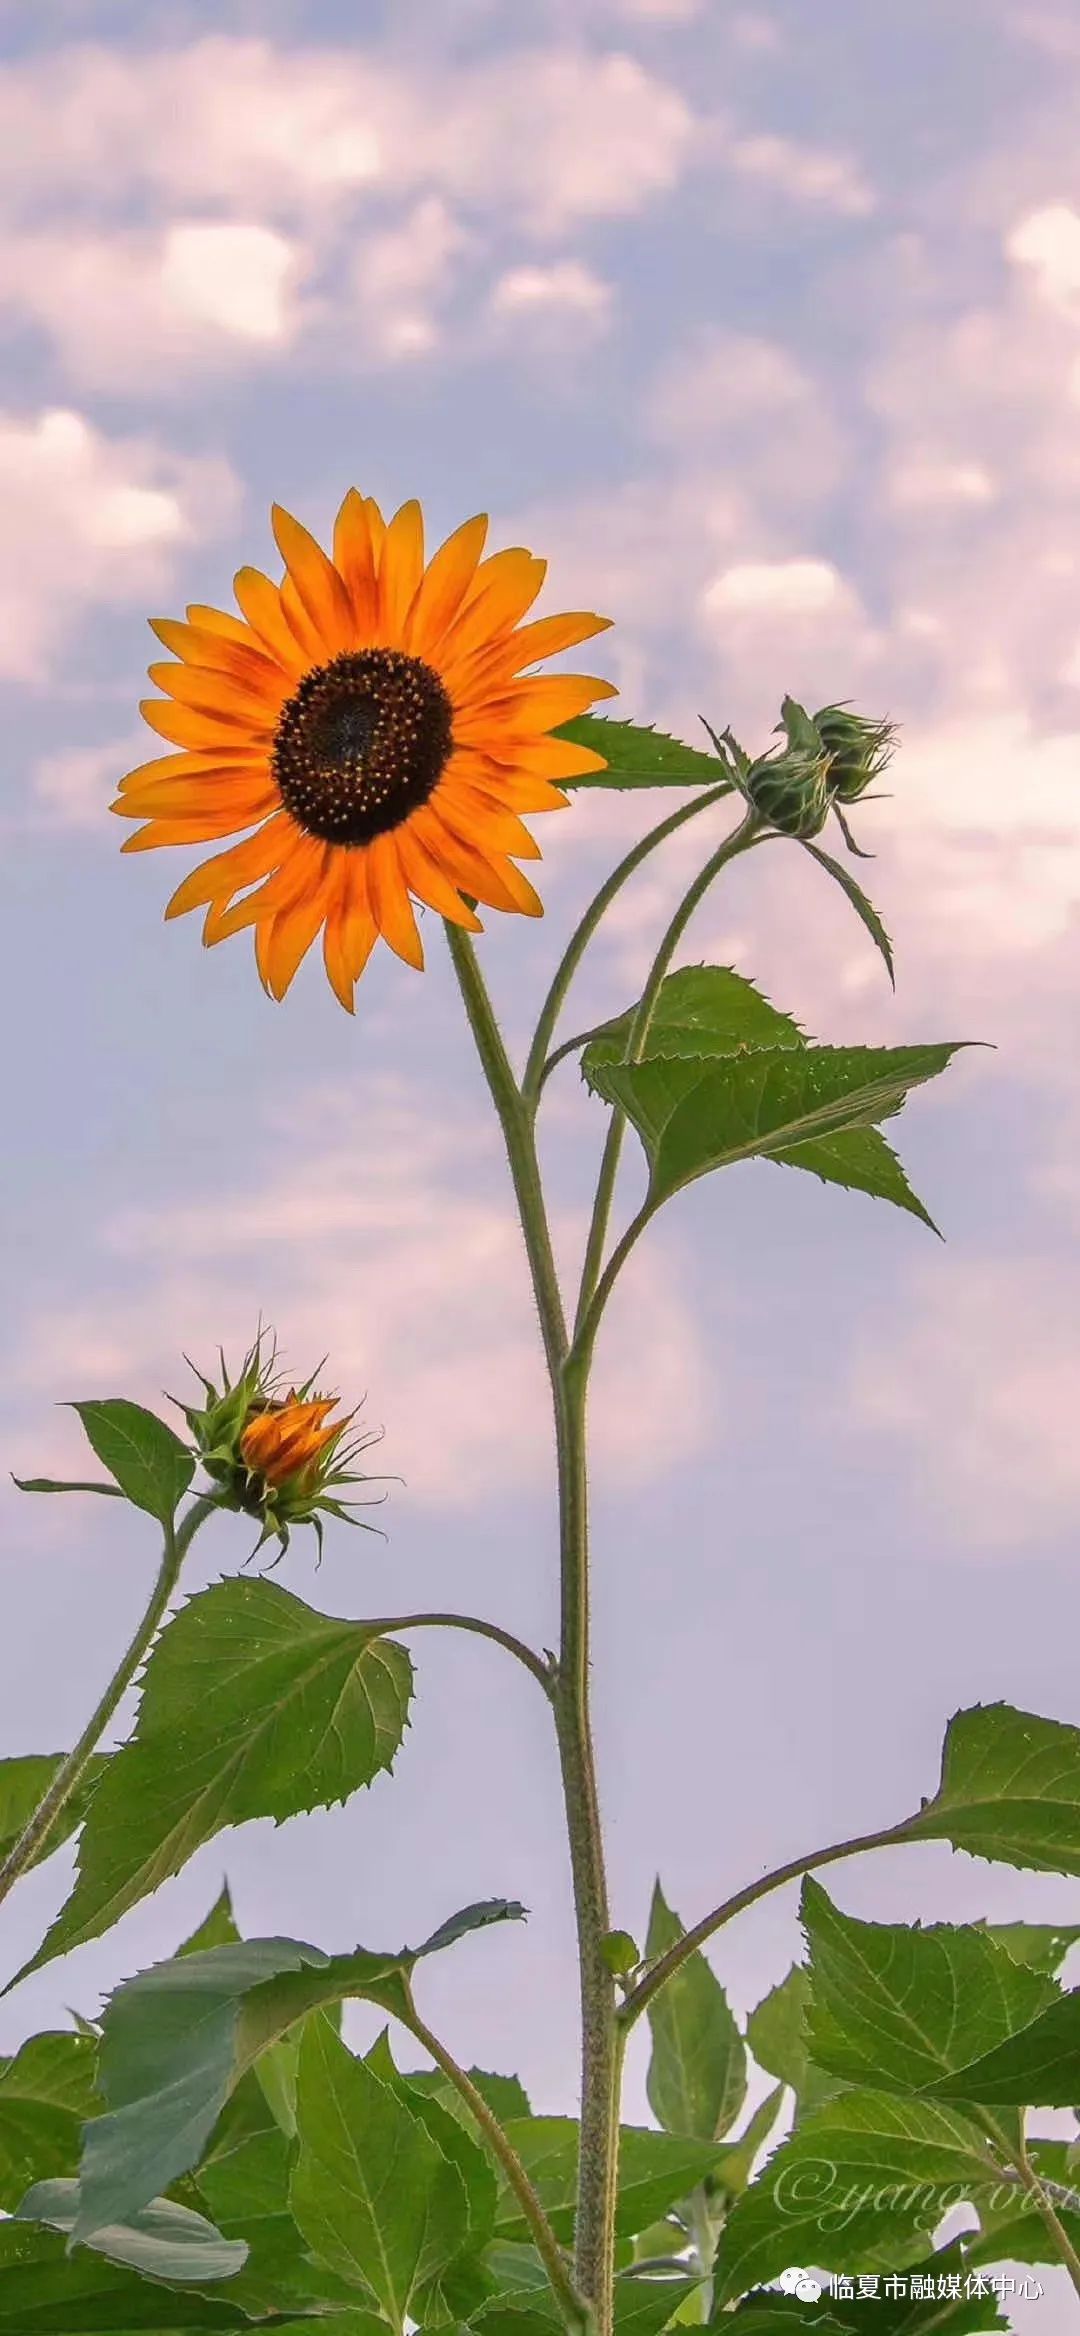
(861, 1160)
(642, 2307)
(443, 2298)
(1012, 2230)
(693, 1118)
(46, 2292)
(776, 2034)
(150, 1464)
(177, 2039)
(636, 755)
(253, 1705)
(696, 2081)
(24, 1783)
(217, 1929)
(885, 2314)
(655, 2171)
(1039, 2067)
(372, 2192)
(47, 2092)
(1041, 1945)
(864, 909)
(861, 2180)
(161, 2241)
(1009, 1791)
(901, 2008)
(243, 2185)
(731, 2175)
(702, 1010)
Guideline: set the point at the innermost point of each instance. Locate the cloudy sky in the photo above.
(762, 325)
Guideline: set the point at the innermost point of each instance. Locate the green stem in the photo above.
(594, 2235)
(665, 1968)
(36, 1831)
(538, 1067)
(1042, 2204)
(588, 1316)
(383, 1624)
(572, 2305)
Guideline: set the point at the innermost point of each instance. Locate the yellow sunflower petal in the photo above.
(187, 726)
(390, 903)
(503, 588)
(218, 693)
(260, 601)
(354, 559)
(502, 786)
(199, 829)
(546, 636)
(377, 528)
(442, 588)
(217, 620)
(478, 818)
(555, 758)
(470, 868)
(228, 872)
(427, 880)
(205, 649)
(319, 588)
(236, 795)
(300, 873)
(185, 766)
(538, 704)
(400, 569)
(291, 934)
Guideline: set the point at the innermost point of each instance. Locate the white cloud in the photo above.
(146, 309)
(924, 482)
(567, 288)
(744, 403)
(982, 1387)
(76, 785)
(1047, 241)
(385, 1238)
(87, 520)
(811, 175)
(774, 588)
(401, 280)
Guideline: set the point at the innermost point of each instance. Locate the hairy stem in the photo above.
(594, 2238)
(665, 1968)
(739, 840)
(1037, 2192)
(573, 2306)
(539, 1065)
(35, 1833)
(385, 1623)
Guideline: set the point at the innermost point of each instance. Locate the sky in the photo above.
(762, 326)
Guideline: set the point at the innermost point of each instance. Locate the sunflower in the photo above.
(375, 721)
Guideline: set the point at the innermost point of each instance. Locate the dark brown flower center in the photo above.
(361, 744)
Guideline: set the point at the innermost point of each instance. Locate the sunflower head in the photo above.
(858, 750)
(376, 721)
(789, 788)
(280, 1458)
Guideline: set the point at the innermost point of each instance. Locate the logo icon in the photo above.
(800, 2283)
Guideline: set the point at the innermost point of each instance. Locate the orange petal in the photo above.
(554, 758)
(547, 636)
(390, 903)
(201, 647)
(292, 932)
(377, 529)
(503, 588)
(494, 723)
(260, 601)
(217, 694)
(475, 817)
(189, 766)
(442, 588)
(195, 830)
(354, 558)
(499, 887)
(231, 795)
(400, 568)
(306, 635)
(506, 789)
(319, 588)
(426, 879)
(187, 726)
(228, 872)
(299, 875)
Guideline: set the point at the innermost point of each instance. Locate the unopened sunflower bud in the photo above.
(858, 749)
(274, 1456)
(790, 788)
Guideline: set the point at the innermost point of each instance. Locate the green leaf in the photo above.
(177, 2039)
(243, 2185)
(655, 2171)
(51, 1484)
(1009, 1791)
(253, 1705)
(702, 1010)
(776, 2034)
(697, 2073)
(24, 1783)
(863, 908)
(505, 2095)
(885, 2314)
(901, 2008)
(741, 1107)
(150, 1464)
(642, 2306)
(450, 2295)
(162, 2240)
(1039, 2067)
(46, 2292)
(372, 2192)
(638, 756)
(1040, 1945)
(859, 2182)
(217, 1929)
(861, 1160)
(47, 2092)
(732, 2172)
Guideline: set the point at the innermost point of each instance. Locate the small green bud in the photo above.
(859, 750)
(790, 788)
(620, 1952)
